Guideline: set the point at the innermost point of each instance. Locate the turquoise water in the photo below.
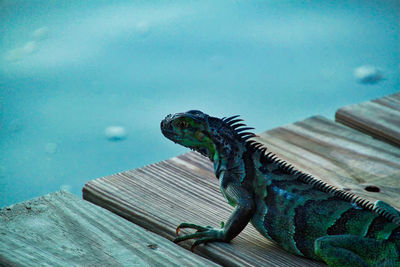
(70, 69)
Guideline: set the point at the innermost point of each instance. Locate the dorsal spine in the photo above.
(241, 130)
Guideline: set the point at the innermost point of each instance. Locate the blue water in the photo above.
(70, 69)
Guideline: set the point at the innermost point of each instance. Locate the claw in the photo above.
(203, 234)
(192, 226)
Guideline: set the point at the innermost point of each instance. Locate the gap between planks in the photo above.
(162, 195)
(170, 192)
(379, 118)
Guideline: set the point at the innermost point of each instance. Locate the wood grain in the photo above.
(62, 230)
(379, 118)
(184, 189)
(340, 156)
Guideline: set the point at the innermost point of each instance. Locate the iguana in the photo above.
(304, 215)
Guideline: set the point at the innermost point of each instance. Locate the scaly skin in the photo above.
(303, 215)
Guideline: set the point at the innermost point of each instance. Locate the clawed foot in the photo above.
(204, 234)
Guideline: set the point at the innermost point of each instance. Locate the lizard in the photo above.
(299, 212)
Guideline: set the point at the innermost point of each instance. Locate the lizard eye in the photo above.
(183, 124)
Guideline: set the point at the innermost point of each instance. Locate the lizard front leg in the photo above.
(354, 251)
(244, 209)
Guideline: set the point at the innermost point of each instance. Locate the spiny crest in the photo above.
(240, 128)
(321, 185)
(242, 131)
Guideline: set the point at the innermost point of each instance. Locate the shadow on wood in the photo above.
(184, 189)
(340, 156)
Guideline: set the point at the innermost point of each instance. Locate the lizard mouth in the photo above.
(171, 135)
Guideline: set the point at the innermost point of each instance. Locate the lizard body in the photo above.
(305, 216)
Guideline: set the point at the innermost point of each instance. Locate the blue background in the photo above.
(102, 63)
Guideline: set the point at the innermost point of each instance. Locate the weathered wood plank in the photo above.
(62, 230)
(184, 189)
(379, 118)
(162, 195)
(340, 156)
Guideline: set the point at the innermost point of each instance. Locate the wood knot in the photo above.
(152, 246)
(372, 188)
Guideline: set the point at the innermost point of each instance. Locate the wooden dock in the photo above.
(379, 118)
(360, 152)
(61, 229)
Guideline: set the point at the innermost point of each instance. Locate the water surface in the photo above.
(70, 69)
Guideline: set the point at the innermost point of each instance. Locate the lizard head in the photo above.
(205, 134)
(189, 129)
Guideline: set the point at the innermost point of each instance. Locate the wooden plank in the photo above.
(379, 118)
(184, 189)
(340, 156)
(60, 229)
(164, 194)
